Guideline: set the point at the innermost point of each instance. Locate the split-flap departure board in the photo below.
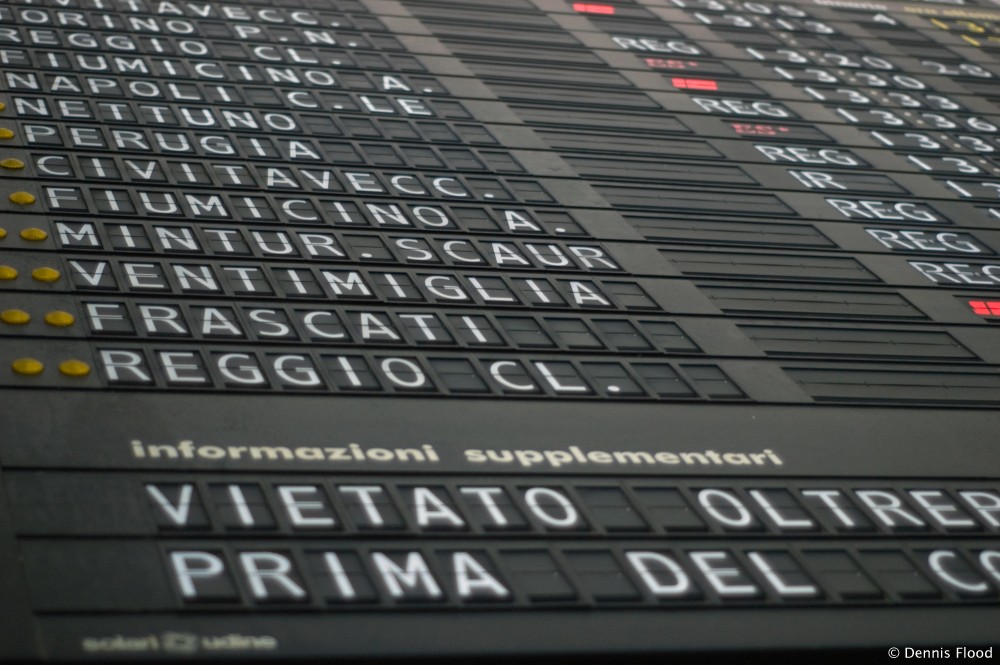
(373, 328)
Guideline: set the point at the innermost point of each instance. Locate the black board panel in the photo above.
(529, 331)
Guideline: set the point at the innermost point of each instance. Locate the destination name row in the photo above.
(681, 161)
(264, 207)
(218, 368)
(191, 277)
(144, 79)
(29, 272)
(437, 180)
(380, 327)
(195, 9)
(238, 240)
(327, 248)
(371, 248)
(39, 26)
(68, 198)
(441, 247)
(99, 16)
(474, 329)
(195, 367)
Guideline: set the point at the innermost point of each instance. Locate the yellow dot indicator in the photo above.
(7, 273)
(22, 198)
(27, 366)
(45, 274)
(3, 233)
(11, 163)
(15, 317)
(60, 319)
(6, 133)
(3, 107)
(34, 234)
(74, 368)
